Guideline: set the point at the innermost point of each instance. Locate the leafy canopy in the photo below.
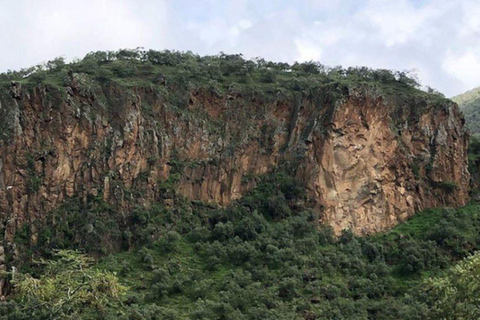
(68, 286)
(457, 294)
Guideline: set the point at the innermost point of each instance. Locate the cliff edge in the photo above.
(370, 151)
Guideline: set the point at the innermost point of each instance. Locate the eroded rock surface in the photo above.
(367, 162)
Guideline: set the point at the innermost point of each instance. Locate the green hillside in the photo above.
(262, 257)
(469, 103)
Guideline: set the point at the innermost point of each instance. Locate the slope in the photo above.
(469, 103)
(272, 263)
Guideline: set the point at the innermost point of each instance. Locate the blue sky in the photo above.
(439, 39)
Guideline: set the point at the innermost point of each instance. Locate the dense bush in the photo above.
(177, 73)
(245, 262)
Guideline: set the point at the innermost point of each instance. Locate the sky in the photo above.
(438, 39)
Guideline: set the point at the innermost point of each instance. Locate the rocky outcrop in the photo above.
(379, 164)
(366, 160)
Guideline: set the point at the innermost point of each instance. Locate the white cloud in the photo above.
(471, 20)
(395, 21)
(437, 37)
(244, 24)
(308, 51)
(42, 30)
(465, 67)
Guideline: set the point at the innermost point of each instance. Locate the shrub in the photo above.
(446, 186)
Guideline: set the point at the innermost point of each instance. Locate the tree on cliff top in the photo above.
(223, 68)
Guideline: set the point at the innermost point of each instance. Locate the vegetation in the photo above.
(469, 103)
(455, 295)
(173, 74)
(447, 186)
(67, 288)
(467, 97)
(263, 257)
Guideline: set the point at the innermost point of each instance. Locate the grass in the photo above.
(419, 223)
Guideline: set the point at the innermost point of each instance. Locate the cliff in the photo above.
(368, 154)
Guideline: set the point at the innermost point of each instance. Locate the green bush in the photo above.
(447, 186)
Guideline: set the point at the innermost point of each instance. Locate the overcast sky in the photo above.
(440, 39)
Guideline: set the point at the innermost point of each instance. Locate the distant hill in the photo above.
(469, 103)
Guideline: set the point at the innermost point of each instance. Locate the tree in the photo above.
(457, 294)
(68, 287)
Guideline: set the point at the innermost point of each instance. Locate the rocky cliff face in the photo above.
(366, 162)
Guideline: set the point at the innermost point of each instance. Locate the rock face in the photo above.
(366, 162)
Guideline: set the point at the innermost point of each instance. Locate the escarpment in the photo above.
(367, 158)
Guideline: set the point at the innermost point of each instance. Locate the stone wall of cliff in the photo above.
(367, 161)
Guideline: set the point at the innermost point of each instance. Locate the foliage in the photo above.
(252, 260)
(447, 186)
(474, 160)
(93, 226)
(469, 103)
(264, 256)
(455, 294)
(67, 288)
(175, 74)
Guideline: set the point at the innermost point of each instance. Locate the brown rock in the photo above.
(355, 157)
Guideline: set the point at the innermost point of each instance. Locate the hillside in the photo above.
(219, 188)
(469, 103)
(215, 263)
